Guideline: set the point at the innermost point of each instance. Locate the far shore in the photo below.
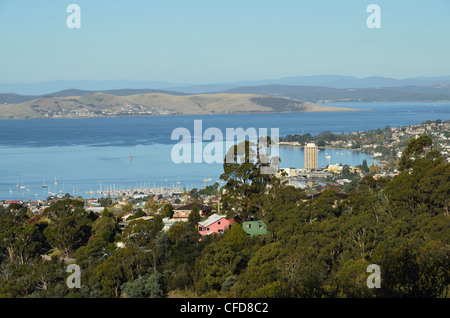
(329, 147)
(330, 110)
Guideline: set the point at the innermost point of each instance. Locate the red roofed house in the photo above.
(216, 223)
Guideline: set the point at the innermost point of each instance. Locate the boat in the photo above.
(44, 185)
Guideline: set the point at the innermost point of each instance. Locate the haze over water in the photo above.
(89, 154)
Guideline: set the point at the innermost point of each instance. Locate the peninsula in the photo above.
(100, 104)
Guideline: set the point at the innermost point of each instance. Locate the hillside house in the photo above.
(216, 223)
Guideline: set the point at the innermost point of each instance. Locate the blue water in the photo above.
(89, 154)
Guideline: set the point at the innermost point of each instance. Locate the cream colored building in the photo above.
(311, 156)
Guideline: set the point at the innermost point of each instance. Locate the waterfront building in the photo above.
(311, 161)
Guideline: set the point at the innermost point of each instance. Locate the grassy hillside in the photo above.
(153, 104)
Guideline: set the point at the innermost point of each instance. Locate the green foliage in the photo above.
(139, 213)
(315, 247)
(68, 232)
(236, 237)
(148, 286)
(168, 210)
(194, 216)
(245, 184)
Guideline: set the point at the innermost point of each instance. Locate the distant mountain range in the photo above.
(319, 94)
(331, 81)
(160, 98)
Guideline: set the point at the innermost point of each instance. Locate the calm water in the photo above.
(89, 154)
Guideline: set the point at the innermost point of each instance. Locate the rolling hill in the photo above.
(153, 104)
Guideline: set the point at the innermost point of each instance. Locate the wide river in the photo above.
(84, 155)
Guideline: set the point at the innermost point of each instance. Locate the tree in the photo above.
(139, 213)
(63, 208)
(374, 169)
(194, 216)
(105, 227)
(106, 213)
(177, 232)
(168, 210)
(148, 286)
(414, 151)
(21, 242)
(245, 183)
(365, 167)
(127, 208)
(69, 232)
(137, 233)
(111, 276)
(352, 280)
(236, 237)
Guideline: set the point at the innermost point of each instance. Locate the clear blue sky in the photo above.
(204, 41)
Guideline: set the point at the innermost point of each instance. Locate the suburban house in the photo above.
(124, 223)
(254, 228)
(216, 223)
(182, 213)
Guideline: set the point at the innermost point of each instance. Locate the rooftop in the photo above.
(212, 219)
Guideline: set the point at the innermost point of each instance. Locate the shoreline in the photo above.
(329, 147)
(317, 104)
(209, 114)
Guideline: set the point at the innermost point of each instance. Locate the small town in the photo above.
(89, 112)
(385, 145)
(175, 204)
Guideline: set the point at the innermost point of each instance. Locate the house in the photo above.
(124, 223)
(94, 209)
(182, 213)
(254, 228)
(168, 223)
(216, 223)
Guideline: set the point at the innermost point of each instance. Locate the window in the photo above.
(260, 226)
(249, 226)
(207, 228)
(218, 222)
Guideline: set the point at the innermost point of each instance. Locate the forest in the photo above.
(317, 247)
